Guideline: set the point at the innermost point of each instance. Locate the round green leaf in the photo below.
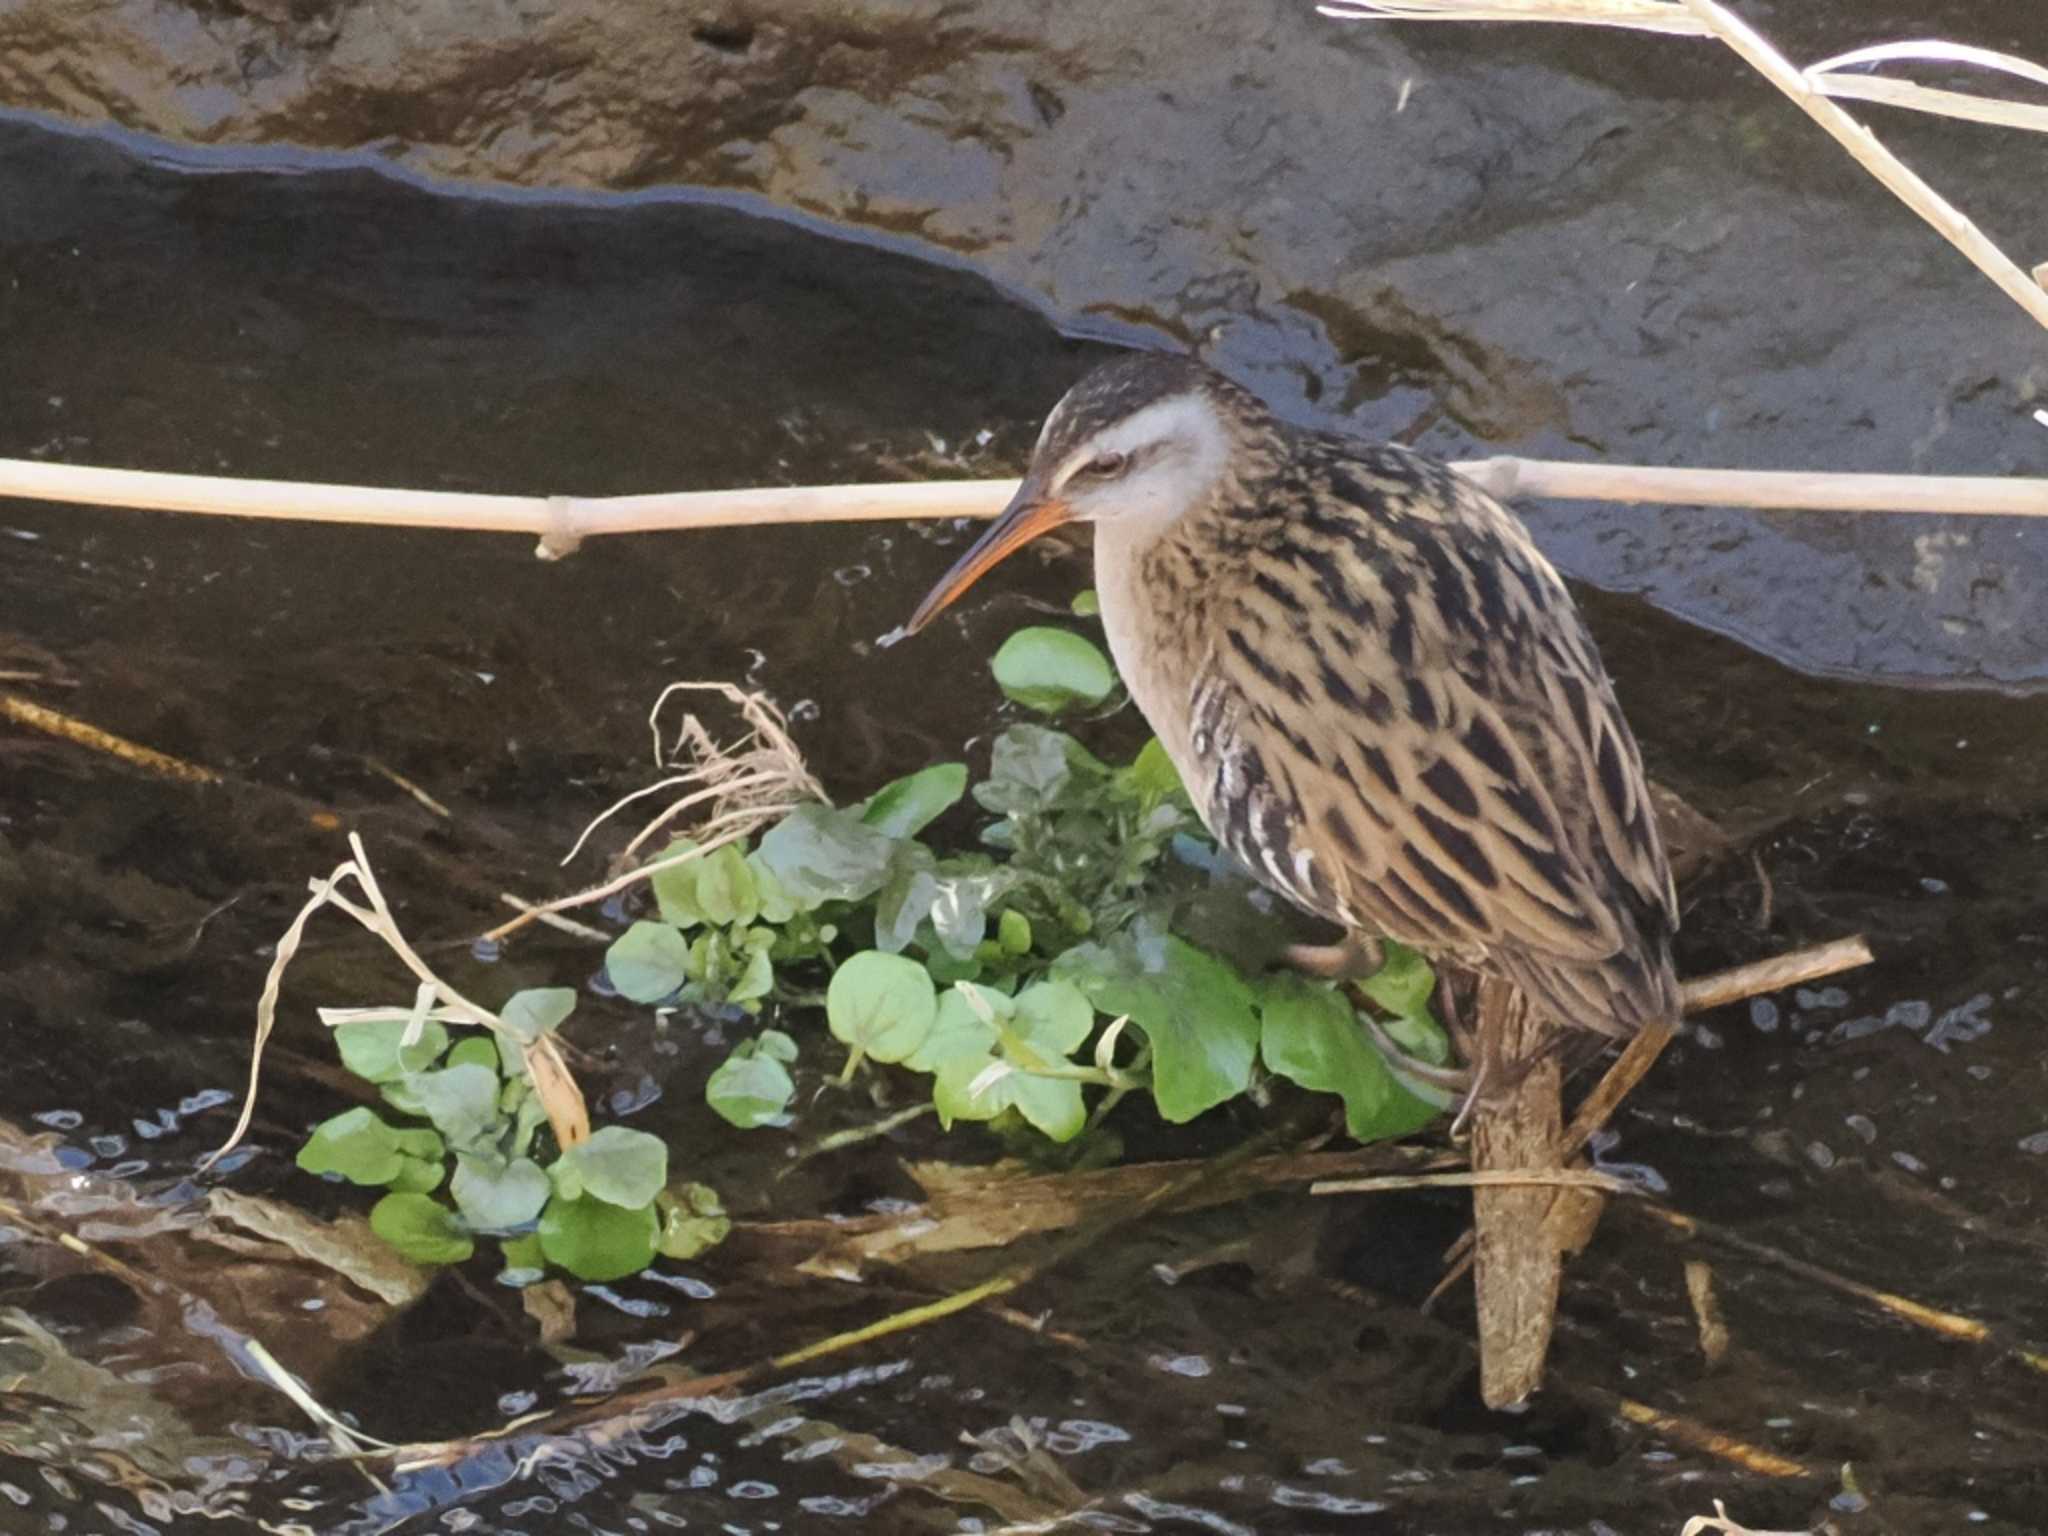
(477, 1050)
(1196, 1011)
(751, 1087)
(909, 805)
(725, 887)
(881, 1004)
(675, 887)
(1052, 1018)
(537, 1011)
(648, 962)
(966, 1088)
(492, 1194)
(1051, 670)
(692, 1221)
(1310, 1034)
(355, 1144)
(462, 1101)
(595, 1240)
(423, 1230)
(618, 1165)
(1086, 604)
(419, 1176)
(370, 1047)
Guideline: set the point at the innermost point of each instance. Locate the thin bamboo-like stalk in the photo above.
(561, 522)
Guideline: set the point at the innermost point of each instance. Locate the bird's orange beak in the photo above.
(1027, 516)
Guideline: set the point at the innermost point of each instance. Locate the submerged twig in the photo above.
(1951, 1325)
(51, 722)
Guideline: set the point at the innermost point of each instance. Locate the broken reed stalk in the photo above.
(1809, 90)
(562, 522)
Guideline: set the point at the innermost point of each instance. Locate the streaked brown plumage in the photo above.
(1379, 693)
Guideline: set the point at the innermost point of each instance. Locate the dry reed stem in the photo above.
(568, 1116)
(1775, 974)
(1782, 490)
(50, 722)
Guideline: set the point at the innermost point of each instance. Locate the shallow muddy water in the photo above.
(1890, 1126)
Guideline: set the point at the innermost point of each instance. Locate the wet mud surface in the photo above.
(1890, 1126)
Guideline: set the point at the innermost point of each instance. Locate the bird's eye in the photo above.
(1106, 465)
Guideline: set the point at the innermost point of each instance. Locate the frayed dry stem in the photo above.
(748, 784)
(632, 877)
(568, 1116)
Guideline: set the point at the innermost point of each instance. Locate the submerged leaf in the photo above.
(693, 1220)
(424, 1230)
(649, 962)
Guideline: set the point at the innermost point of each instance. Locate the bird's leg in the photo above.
(1354, 955)
(1450, 1079)
(1452, 1013)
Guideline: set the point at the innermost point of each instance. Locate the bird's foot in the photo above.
(1355, 955)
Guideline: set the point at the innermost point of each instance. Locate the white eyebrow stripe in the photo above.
(1185, 417)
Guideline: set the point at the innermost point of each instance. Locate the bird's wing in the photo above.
(1403, 724)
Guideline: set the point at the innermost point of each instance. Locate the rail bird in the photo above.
(1380, 695)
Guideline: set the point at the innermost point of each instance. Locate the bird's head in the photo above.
(1134, 446)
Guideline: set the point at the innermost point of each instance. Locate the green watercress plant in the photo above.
(597, 1210)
